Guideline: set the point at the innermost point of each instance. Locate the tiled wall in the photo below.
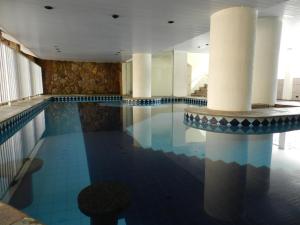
(62, 77)
(279, 88)
(295, 91)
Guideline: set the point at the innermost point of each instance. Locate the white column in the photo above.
(141, 75)
(265, 64)
(180, 76)
(232, 36)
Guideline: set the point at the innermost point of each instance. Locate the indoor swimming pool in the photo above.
(176, 174)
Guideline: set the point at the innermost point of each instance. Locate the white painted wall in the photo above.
(180, 81)
(265, 65)
(124, 79)
(127, 78)
(199, 63)
(162, 74)
(141, 75)
(287, 92)
(279, 88)
(232, 36)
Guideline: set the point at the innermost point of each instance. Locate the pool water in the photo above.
(176, 175)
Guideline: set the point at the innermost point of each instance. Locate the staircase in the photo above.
(201, 92)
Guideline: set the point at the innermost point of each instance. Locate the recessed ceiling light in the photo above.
(171, 21)
(115, 16)
(199, 46)
(48, 7)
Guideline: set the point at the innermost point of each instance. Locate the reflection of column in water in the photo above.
(142, 131)
(225, 175)
(179, 129)
(259, 161)
(126, 117)
(282, 141)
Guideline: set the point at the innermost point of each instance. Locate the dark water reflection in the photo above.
(175, 174)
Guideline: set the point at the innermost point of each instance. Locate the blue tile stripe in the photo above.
(107, 98)
(165, 100)
(13, 124)
(131, 101)
(10, 126)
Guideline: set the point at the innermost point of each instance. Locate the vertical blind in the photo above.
(19, 77)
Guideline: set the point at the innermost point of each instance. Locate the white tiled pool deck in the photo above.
(8, 111)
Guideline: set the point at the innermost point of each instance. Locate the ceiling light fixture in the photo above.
(48, 7)
(115, 16)
(171, 21)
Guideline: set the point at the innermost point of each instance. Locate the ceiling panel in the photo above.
(85, 30)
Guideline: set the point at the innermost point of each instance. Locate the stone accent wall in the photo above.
(63, 77)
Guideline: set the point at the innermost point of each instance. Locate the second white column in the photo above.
(141, 74)
(232, 36)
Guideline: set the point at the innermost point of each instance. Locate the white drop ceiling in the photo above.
(85, 31)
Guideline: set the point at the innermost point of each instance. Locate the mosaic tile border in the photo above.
(245, 130)
(164, 100)
(13, 124)
(10, 126)
(131, 101)
(91, 98)
(224, 123)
